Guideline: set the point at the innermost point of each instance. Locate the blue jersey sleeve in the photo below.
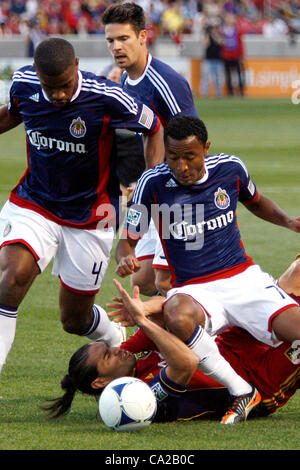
(163, 387)
(12, 105)
(247, 188)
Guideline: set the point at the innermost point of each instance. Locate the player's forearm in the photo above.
(154, 149)
(178, 356)
(7, 121)
(124, 248)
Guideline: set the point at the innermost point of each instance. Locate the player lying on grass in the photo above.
(170, 368)
(193, 199)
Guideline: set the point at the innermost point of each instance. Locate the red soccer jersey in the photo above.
(270, 370)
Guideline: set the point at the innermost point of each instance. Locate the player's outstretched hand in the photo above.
(130, 310)
(295, 225)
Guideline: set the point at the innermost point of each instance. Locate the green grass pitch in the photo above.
(265, 135)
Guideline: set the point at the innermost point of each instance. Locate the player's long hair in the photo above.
(80, 376)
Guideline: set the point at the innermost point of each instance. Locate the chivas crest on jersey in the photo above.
(222, 200)
(78, 128)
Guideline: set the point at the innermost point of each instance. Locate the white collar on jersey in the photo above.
(138, 80)
(203, 179)
(76, 92)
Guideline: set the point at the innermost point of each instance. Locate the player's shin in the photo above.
(8, 320)
(212, 363)
(103, 329)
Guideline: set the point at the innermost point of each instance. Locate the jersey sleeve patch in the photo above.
(146, 117)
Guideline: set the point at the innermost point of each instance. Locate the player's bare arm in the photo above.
(154, 148)
(182, 362)
(267, 209)
(7, 121)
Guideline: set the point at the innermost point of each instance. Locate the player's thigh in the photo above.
(23, 226)
(211, 314)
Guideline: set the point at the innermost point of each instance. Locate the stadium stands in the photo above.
(171, 18)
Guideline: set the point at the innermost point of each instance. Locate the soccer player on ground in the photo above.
(170, 368)
(156, 84)
(214, 283)
(66, 204)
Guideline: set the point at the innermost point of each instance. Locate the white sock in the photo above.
(103, 329)
(8, 320)
(212, 363)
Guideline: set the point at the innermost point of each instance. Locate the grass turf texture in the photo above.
(263, 133)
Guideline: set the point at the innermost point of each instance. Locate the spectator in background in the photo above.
(275, 28)
(212, 66)
(232, 54)
(172, 23)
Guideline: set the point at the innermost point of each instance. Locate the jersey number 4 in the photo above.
(96, 271)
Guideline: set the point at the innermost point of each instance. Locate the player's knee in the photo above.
(146, 284)
(13, 279)
(180, 317)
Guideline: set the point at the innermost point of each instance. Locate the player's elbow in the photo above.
(187, 369)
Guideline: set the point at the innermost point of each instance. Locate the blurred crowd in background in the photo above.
(173, 18)
(218, 24)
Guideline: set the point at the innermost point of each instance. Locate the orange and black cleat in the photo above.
(241, 407)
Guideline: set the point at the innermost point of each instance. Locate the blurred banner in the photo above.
(264, 78)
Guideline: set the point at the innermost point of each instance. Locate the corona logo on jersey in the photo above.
(41, 142)
(222, 200)
(78, 128)
(185, 231)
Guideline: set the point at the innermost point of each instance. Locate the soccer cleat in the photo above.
(241, 407)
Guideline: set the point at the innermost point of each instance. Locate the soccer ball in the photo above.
(127, 404)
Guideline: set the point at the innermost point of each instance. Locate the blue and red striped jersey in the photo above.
(197, 224)
(163, 89)
(70, 150)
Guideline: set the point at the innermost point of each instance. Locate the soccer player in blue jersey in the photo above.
(193, 198)
(65, 206)
(156, 84)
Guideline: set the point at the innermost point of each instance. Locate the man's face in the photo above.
(124, 44)
(186, 159)
(111, 362)
(60, 89)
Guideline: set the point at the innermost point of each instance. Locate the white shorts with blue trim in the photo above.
(250, 300)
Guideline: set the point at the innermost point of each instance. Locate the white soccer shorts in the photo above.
(81, 257)
(249, 300)
(145, 247)
(159, 260)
